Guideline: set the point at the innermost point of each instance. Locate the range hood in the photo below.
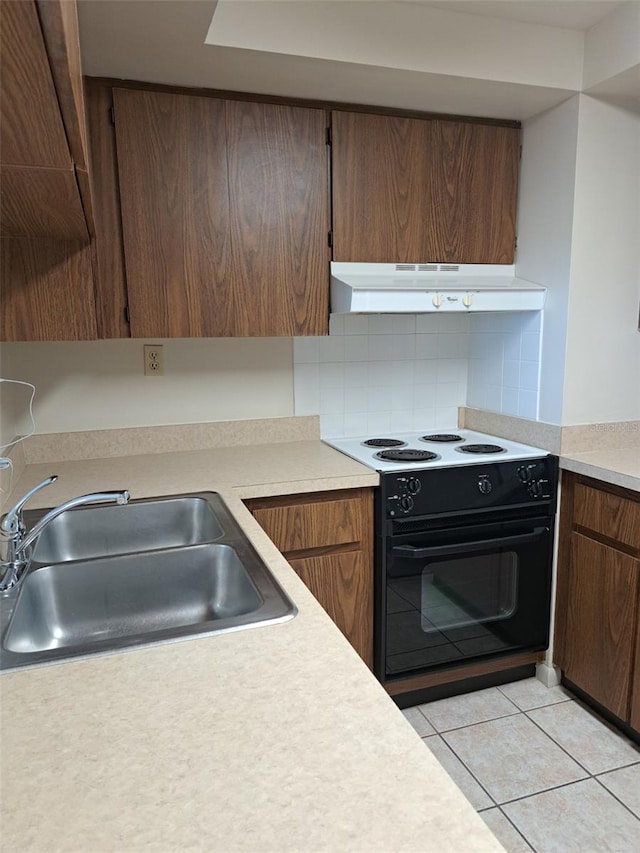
(430, 288)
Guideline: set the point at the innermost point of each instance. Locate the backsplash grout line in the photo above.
(419, 369)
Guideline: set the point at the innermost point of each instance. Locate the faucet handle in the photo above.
(12, 521)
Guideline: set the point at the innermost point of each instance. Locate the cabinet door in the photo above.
(417, 190)
(47, 291)
(635, 694)
(601, 622)
(343, 585)
(224, 214)
(172, 164)
(279, 219)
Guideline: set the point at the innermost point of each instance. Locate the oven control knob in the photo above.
(406, 503)
(484, 484)
(539, 489)
(414, 485)
(524, 472)
(437, 300)
(467, 300)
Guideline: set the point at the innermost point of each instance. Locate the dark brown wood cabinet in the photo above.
(598, 603)
(327, 537)
(225, 213)
(45, 205)
(413, 190)
(41, 196)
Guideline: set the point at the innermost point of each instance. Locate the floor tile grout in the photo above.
(494, 803)
(521, 834)
(618, 798)
(559, 745)
(469, 772)
(566, 751)
(479, 723)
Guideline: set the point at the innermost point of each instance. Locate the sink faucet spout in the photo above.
(17, 542)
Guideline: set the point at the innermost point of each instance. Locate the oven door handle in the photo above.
(414, 553)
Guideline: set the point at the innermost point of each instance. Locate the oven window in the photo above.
(468, 590)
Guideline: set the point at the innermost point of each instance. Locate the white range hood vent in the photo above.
(431, 288)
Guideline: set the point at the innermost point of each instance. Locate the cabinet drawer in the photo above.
(610, 515)
(303, 526)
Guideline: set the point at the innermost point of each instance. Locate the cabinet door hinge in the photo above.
(127, 314)
(330, 239)
(328, 136)
(112, 115)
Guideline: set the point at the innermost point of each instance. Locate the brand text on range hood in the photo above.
(430, 288)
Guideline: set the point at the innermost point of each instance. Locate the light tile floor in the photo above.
(544, 771)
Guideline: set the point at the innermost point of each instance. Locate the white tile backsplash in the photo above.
(504, 363)
(376, 373)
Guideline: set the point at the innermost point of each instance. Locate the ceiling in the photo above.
(572, 14)
(163, 41)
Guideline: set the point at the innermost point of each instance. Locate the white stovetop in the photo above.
(448, 453)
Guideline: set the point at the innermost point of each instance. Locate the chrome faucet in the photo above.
(16, 542)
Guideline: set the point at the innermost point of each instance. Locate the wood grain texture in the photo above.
(343, 585)
(380, 181)
(172, 163)
(414, 190)
(108, 249)
(608, 514)
(310, 525)
(473, 178)
(334, 531)
(31, 129)
(60, 30)
(47, 291)
(41, 202)
(279, 219)
(601, 622)
(460, 673)
(634, 716)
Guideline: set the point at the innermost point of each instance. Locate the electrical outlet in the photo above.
(153, 360)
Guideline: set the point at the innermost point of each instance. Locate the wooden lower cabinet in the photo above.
(343, 584)
(598, 604)
(327, 537)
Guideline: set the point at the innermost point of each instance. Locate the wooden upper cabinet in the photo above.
(279, 219)
(31, 128)
(224, 215)
(423, 190)
(39, 52)
(172, 163)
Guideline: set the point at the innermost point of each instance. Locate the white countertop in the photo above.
(618, 466)
(275, 738)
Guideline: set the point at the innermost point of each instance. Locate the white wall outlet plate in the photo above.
(153, 360)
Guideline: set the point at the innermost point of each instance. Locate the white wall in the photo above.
(405, 36)
(101, 385)
(14, 411)
(612, 47)
(545, 220)
(602, 374)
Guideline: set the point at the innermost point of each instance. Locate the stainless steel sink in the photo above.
(77, 607)
(141, 525)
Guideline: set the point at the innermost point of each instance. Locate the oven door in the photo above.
(465, 593)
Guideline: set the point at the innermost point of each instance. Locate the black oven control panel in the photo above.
(464, 488)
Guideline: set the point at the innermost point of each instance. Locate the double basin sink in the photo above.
(105, 578)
